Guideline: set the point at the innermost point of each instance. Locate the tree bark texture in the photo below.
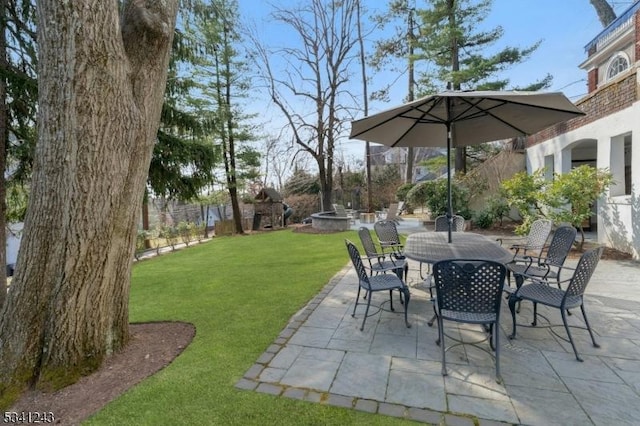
(101, 85)
(4, 140)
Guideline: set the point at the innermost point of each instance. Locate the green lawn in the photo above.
(239, 292)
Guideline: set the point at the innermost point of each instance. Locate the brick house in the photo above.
(608, 136)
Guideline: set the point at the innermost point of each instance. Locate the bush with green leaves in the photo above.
(141, 239)
(434, 195)
(498, 207)
(484, 218)
(403, 190)
(526, 193)
(567, 198)
(186, 231)
(572, 194)
(170, 234)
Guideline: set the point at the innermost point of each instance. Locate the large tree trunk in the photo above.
(605, 12)
(101, 85)
(4, 138)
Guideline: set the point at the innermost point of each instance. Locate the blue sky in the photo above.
(563, 26)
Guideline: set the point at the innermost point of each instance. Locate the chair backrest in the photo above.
(584, 270)
(442, 224)
(560, 245)
(367, 242)
(387, 232)
(392, 213)
(538, 234)
(356, 260)
(340, 210)
(469, 285)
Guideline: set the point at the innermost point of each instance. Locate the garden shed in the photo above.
(268, 209)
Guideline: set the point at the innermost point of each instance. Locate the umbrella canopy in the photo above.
(454, 119)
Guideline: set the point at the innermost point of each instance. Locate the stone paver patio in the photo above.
(323, 357)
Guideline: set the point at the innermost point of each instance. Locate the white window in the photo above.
(619, 63)
(549, 167)
(621, 165)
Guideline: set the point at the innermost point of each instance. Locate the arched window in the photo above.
(618, 63)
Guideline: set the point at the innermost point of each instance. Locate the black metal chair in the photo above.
(388, 237)
(533, 244)
(535, 240)
(441, 223)
(375, 283)
(549, 264)
(382, 262)
(469, 291)
(541, 292)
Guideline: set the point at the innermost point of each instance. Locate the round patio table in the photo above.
(431, 247)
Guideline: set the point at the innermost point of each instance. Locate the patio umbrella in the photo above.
(455, 119)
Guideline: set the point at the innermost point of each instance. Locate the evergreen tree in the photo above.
(223, 85)
(18, 94)
(184, 158)
(451, 51)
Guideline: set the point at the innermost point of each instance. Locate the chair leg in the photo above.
(391, 299)
(433, 318)
(519, 282)
(366, 313)
(490, 330)
(512, 307)
(586, 321)
(435, 313)
(440, 342)
(428, 270)
(566, 327)
(535, 314)
(356, 304)
(399, 273)
(407, 297)
(496, 331)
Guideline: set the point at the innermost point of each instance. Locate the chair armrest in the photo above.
(507, 240)
(388, 269)
(540, 263)
(379, 258)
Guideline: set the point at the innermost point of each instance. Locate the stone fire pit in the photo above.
(328, 221)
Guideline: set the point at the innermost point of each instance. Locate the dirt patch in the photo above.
(152, 347)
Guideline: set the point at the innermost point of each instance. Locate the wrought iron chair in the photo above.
(533, 243)
(540, 292)
(381, 262)
(548, 265)
(375, 283)
(535, 240)
(393, 213)
(442, 223)
(469, 291)
(388, 237)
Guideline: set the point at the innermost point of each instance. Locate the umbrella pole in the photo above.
(449, 201)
